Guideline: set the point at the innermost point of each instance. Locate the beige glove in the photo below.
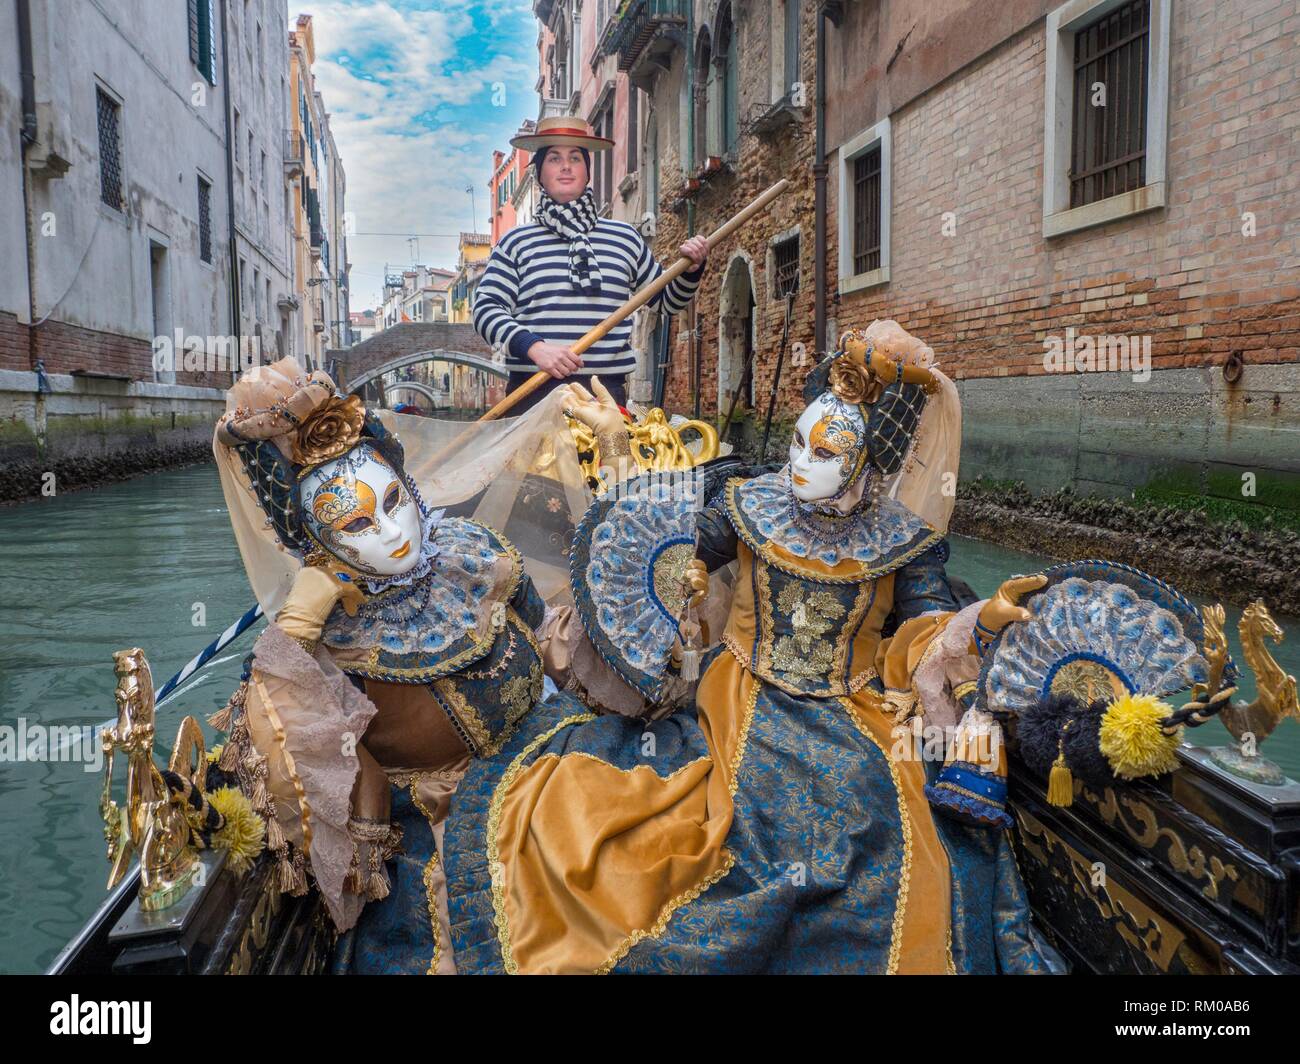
(695, 581)
(1002, 609)
(313, 595)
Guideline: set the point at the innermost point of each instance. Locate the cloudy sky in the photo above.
(420, 93)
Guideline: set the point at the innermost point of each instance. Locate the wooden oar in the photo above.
(639, 298)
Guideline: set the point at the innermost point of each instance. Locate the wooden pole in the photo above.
(640, 298)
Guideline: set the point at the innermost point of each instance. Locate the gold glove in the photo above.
(695, 582)
(1002, 609)
(315, 591)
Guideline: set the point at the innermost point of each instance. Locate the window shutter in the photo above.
(194, 31)
(212, 42)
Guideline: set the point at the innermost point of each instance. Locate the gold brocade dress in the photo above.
(776, 826)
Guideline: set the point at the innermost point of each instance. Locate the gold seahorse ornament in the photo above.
(1250, 723)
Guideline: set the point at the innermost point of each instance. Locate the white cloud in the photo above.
(407, 71)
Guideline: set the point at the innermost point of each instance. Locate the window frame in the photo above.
(1063, 23)
(118, 209)
(881, 134)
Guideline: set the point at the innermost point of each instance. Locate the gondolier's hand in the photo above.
(1002, 609)
(556, 359)
(696, 249)
(316, 590)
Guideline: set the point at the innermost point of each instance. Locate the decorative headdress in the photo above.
(887, 373)
(282, 424)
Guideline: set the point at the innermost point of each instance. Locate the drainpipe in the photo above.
(235, 293)
(819, 188)
(690, 203)
(27, 78)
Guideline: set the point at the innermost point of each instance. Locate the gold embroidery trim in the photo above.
(856, 682)
(304, 809)
(743, 740)
(627, 771)
(430, 895)
(905, 819)
(495, 868)
(666, 914)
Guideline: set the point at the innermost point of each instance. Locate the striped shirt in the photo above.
(525, 295)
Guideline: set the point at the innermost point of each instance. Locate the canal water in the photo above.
(151, 563)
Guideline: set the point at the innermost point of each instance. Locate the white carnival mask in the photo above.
(359, 509)
(826, 450)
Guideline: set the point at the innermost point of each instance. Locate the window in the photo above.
(785, 267)
(109, 118)
(1108, 141)
(700, 96)
(728, 83)
(633, 133)
(238, 140)
(203, 35)
(864, 202)
(866, 211)
(791, 49)
(1106, 111)
(205, 220)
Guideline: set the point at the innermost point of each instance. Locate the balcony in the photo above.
(643, 35)
(293, 153)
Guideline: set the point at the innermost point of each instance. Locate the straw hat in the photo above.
(561, 132)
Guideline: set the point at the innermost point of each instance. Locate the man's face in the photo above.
(826, 448)
(359, 510)
(564, 174)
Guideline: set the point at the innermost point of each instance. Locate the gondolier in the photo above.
(548, 283)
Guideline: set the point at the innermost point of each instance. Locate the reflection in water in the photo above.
(145, 563)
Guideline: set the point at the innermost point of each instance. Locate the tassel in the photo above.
(274, 834)
(1060, 782)
(299, 875)
(220, 720)
(690, 664)
(352, 881)
(284, 872)
(230, 756)
(377, 886)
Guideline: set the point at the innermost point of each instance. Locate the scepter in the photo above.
(641, 297)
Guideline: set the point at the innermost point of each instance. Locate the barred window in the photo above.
(205, 220)
(109, 115)
(785, 262)
(1108, 149)
(866, 211)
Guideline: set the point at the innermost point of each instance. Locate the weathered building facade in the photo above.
(727, 114)
(1051, 194)
(142, 225)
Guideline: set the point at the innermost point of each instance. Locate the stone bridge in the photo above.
(406, 344)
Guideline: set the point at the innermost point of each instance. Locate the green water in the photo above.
(94, 572)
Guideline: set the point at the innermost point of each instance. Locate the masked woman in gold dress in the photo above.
(781, 823)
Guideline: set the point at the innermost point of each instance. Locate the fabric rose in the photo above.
(329, 431)
(853, 382)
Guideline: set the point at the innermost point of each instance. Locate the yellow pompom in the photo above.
(244, 832)
(1132, 740)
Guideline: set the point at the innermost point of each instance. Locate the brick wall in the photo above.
(761, 162)
(986, 297)
(66, 348)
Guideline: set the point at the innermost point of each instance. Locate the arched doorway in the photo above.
(737, 330)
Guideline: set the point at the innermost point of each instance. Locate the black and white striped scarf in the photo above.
(572, 221)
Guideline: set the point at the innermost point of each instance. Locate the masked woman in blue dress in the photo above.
(781, 823)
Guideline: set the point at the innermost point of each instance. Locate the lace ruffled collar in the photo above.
(880, 534)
